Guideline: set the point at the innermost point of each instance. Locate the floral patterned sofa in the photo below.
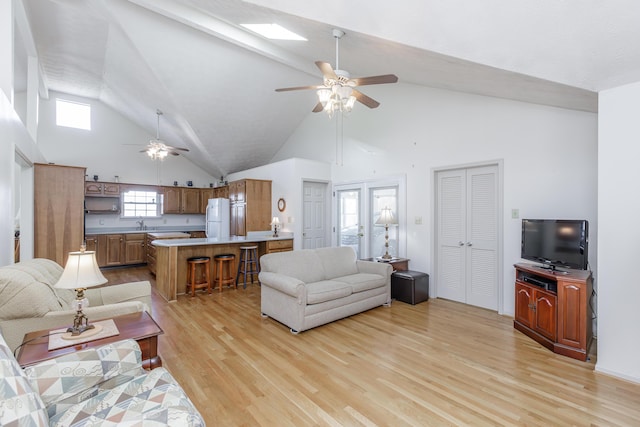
(103, 386)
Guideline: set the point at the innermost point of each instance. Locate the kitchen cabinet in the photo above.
(205, 195)
(250, 204)
(190, 200)
(212, 193)
(273, 246)
(134, 248)
(101, 189)
(181, 200)
(171, 200)
(91, 242)
(58, 211)
(151, 249)
(221, 192)
(114, 249)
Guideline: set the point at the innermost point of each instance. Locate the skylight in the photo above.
(273, 32)
(73, 114)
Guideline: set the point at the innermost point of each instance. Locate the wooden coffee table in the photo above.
(138, 326)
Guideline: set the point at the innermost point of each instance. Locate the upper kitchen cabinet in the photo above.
(250, 201)
(212, 193)
(181, 200)
(104, 189)
(58, 211)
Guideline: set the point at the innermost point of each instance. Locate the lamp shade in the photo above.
(386, 217)
(81, 271)
(275, 221)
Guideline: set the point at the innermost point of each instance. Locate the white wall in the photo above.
(13, 139)
(618, 204)
(287, 177)
(549, 156)
(112, 147)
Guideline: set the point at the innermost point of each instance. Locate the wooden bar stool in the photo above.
(220, 261)
(248, 264)
(192, 280)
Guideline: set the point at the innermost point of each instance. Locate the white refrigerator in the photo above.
(218, 219)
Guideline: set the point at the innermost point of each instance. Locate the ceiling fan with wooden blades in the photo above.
(338, 93)
(157, 149)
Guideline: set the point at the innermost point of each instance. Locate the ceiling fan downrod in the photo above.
(338, 35)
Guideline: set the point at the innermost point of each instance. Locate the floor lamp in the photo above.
(386, 218)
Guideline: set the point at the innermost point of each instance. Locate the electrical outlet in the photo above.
(418, 220)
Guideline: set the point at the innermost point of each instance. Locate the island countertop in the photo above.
(214, 241)
(172, 254)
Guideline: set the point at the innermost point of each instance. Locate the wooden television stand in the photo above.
(552, 307)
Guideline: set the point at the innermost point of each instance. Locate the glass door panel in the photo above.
(349, 221)
(381, 198)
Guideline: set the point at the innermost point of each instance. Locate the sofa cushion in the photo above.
(151, 399)
(303, 265)
(337, 262)
(20, 405)
(326, 290)
(363, 281)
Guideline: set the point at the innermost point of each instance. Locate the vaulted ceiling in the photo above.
(215, 81)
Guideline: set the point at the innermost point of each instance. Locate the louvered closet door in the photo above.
(467, 221)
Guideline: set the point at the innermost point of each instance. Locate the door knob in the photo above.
(461, 243)
(469, 244)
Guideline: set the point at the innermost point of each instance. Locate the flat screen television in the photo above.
(556, 242)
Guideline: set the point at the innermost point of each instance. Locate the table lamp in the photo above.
(276, 225)
(80, 273)
(386, 218)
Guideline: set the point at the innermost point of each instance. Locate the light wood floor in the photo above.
(435, 363)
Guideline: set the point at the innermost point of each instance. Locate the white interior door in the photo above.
(314, 233)
(467, 233)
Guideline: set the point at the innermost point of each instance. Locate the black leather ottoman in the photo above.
(409, 286)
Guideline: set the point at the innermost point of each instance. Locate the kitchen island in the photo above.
(171, 256)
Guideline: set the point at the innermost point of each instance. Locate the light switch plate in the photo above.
(515, 213)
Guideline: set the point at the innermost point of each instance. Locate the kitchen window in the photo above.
(140, 204)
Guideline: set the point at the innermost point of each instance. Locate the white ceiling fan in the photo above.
(157, 149)
(337, 92)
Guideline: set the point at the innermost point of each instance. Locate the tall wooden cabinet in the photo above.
(553, 308)
(250, 204)
(58, 211)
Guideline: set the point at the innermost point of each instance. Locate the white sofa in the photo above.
(30, 302)
(311, 287)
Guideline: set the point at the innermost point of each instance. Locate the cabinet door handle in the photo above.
(469, 244)
(460, 243)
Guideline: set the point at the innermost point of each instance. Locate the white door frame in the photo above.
(395, 180)
(434, 231)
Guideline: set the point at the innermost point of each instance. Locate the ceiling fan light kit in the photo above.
(158, 150)
(337, 93)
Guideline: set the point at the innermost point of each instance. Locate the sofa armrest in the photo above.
(374, 267)
(112, 294)
(75, 377)
(285, 284)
